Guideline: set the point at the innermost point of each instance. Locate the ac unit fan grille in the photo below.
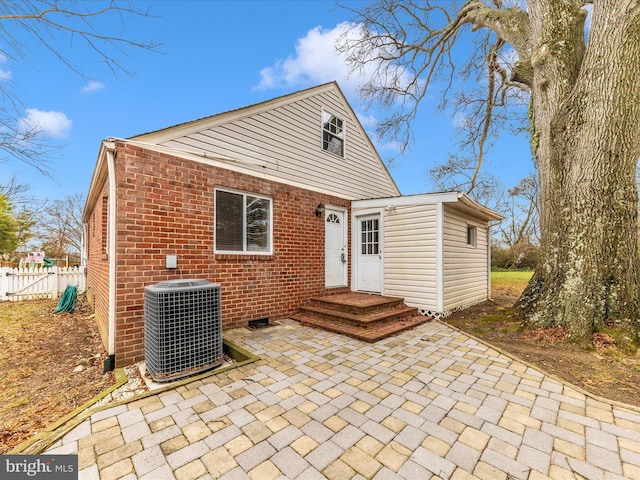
(182, 328)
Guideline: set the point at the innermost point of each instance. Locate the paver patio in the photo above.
(429, 403)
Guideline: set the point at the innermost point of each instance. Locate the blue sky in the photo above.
(216, 56)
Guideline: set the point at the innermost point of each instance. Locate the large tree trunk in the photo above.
(586, 135)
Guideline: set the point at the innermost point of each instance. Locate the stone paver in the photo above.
(428, 403)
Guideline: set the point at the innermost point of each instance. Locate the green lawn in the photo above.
(510, 283)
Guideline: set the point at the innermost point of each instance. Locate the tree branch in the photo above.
(31, 24)
(492, 68)
(410, 47)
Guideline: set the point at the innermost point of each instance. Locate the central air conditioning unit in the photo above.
(182, 328)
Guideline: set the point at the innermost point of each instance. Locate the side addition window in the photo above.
(472, 235)
(369, 237)
(333, 129)
(242, 223)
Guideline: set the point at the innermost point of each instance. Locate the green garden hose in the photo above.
(68, 300)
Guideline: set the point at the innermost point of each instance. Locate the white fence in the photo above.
(29, 283)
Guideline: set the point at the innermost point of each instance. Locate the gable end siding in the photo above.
(285, 142)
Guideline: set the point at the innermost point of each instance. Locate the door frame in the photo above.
(345, 241)
(355, 245)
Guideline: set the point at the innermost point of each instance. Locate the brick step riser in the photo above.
(357, 310)
(338, 320)
(366, 335)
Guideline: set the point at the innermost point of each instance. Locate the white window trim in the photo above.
(244, 232)
(345, 233)
(326, 112)
(474, 243)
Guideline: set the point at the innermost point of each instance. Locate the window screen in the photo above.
(242, 222)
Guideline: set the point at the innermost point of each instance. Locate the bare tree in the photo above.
(60, 226)
(522, 220)
(460, 174)
(14, 191)
(55, 26)
(584, 121)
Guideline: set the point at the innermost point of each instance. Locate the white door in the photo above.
(335, 248)
(369, 254)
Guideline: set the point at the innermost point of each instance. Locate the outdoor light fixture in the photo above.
(319, 209)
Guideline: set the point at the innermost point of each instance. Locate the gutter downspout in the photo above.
(439, 257)
(84, 255)
(488, 261)
(110, 361)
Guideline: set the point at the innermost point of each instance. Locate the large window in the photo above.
(332, 133)
(243, 223)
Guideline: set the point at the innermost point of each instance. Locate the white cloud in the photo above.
(460, 120)
(5, 75)
(92, 86)
(392, 147)
(51, 124)
(367, 120)
(315, 61)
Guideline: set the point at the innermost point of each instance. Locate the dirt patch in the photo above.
(605, 371)
(50, 365)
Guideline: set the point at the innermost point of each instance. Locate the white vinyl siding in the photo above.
(410, 255)
(281, 140)
(465, 270)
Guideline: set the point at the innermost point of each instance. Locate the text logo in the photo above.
(50, 467)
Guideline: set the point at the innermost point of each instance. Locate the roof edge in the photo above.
(98, 177)
(452, 197)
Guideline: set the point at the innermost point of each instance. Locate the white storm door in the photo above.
(369, 254)
(335, 248)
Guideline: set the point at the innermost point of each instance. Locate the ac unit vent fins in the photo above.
(182, 328)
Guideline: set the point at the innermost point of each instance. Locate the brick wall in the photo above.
(98, 263)
(166, 207)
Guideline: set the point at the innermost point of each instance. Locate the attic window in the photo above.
(332, 133)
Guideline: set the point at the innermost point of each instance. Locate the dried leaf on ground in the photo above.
(39, 351)
(552, 334)
(603, 341)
